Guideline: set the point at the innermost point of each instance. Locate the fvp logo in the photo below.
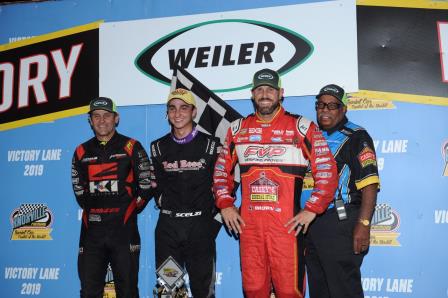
(262, 151)
(228, 47)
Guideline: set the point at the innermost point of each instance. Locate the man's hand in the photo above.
(301, 221)
(232, 219)
(361, 238)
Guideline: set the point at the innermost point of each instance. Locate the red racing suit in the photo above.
(273, 158)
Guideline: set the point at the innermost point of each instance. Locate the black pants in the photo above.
(191, 242)
(118, 245)
(332, 267)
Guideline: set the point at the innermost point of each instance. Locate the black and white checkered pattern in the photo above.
(214, 114)
(27, 208)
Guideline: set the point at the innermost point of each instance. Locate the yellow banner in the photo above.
(31, 234)
(384, 239)
(405, 3)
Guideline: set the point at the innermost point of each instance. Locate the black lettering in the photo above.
(245, 53)
(184, 61)
(264, 51)
(202, 56)
(228, 56)
(216, 56)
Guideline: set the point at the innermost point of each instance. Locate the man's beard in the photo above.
(266, 110)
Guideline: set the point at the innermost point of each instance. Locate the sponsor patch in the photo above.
(263, 190)
(265, 208)
(324, 175)
(322, 159)
(257, 130)
(319, 151)
(118, 155)
(324, 166)
(367, 157)
(255, 138)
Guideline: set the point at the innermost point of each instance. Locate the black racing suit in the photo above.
(186, 229)
(111, 184)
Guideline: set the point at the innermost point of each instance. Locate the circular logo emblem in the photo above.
(100, 103)
(265, 76)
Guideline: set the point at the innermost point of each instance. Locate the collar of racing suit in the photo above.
(187, 139)
(279, 112)
(111, 140)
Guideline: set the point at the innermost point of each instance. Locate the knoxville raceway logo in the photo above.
(249, 46)
(31, 222)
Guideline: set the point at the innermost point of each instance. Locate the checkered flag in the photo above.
(28, 208)
(214, 114)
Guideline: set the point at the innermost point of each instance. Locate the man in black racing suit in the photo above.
(110, 177)
(183, 163)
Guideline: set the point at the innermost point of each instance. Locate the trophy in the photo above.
(170, 282)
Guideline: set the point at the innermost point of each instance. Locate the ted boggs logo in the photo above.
(31, 222)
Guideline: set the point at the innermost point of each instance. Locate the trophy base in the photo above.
(162, 292)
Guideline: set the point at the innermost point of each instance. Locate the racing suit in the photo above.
(186, 228)
(329, 242)
(273, 158)
(111, 184)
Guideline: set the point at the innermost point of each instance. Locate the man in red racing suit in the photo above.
(273, 149)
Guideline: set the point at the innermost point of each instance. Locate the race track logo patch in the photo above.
(385, 224)
(31, 222)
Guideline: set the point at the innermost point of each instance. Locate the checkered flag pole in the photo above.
(214, 114)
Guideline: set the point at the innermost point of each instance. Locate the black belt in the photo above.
(181, 214)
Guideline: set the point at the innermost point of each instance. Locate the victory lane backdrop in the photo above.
(48, 77)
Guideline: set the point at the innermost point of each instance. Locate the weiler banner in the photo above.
(225, 49)
(48, 77)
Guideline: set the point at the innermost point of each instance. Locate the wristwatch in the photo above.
(364, 222)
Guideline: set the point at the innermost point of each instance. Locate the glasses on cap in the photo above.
(330, 105)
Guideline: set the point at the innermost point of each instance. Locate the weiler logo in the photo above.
(257, 44)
